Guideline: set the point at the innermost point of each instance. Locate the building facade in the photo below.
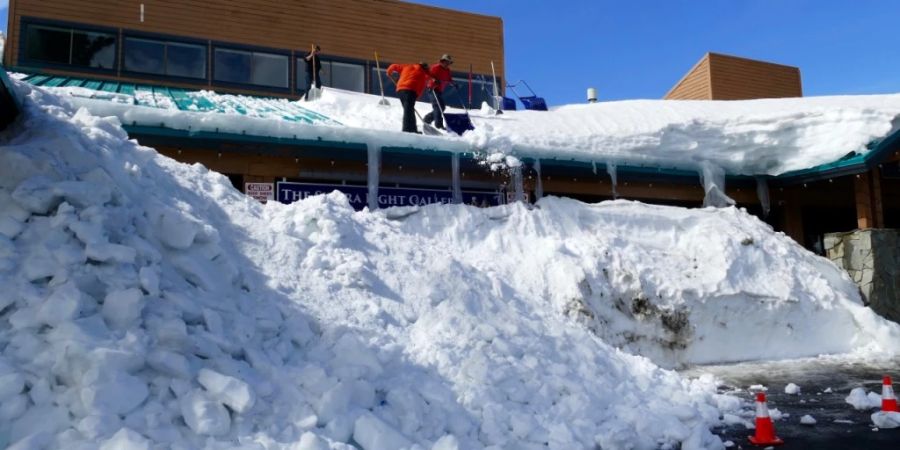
(724, 77)
(253, 48)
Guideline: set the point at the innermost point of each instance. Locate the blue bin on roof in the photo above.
(530, 102)
(508, 104)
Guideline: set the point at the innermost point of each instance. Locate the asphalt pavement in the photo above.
(824, 384)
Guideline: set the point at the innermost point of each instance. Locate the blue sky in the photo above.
(641, 48)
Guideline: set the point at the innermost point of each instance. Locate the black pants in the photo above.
(438, 105)
(309, 82)
(408, 100)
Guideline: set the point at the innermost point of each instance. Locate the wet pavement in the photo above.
(838, 424)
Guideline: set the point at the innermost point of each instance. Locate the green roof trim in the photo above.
(850, 164)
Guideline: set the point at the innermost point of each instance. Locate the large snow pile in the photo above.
(752, 137)
(147, 304)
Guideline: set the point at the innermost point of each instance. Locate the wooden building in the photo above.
(248, 47)
(723, 77)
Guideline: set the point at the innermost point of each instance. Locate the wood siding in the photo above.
(736, 78)
(399, 31)
(694, 85)
(724, 77)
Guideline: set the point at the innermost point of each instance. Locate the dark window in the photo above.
(47, 44)
(145, 56)
(185, 60)
(246, 67)
(165, 58)
(93, 50)
(341, 75)
(64, 45)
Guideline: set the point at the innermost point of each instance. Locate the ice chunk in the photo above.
(446, 442)
(149, 277)
(309, 441)
(126, 439)
(807, 420)
(36, 194)
(169, 363)
(176, 230)
(11, 383)
(114, 392)
(122, 308)
(99, 425)
(37, 441)
(861, 401)
(792, 389)
(886, 419)
(203, 415)
(234, 393)
(64, 304)
(373, 434)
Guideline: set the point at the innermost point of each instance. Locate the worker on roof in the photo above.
(441, 79)
(413, 78)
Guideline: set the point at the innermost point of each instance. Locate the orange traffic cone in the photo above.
(888, 400)
(765, 430)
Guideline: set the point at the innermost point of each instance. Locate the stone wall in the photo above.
(872, 258)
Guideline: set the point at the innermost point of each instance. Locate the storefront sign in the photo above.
(260, 191)
(289, 192)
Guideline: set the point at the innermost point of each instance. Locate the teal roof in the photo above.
(183, 99)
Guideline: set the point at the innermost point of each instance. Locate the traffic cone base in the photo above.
(765, 429)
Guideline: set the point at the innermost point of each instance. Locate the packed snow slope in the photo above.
(148, 304)
(751, 137)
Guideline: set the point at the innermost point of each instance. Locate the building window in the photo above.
(249, 67)
(341, 75)
(69, 46)
(390, 90)
(164, 58)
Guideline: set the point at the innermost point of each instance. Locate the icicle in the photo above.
(515, 174)
(539, 186)
(611, 170)
(457, 188)
(374, 172)
(594, 166)
(713, 179)
(762, 190)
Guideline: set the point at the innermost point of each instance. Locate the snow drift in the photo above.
(148, 304)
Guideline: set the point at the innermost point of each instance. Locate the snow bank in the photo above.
(147, 303)
(753, 137)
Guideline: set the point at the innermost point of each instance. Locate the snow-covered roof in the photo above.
(754, 137)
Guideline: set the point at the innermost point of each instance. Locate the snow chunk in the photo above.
(234, 393)
(373, 434)
(203, 415)
(862, 401)
(807, 420)
(792, 389)
(126, 439)
(886, 419)
(123, 308)
(113, 392)
(309, 441)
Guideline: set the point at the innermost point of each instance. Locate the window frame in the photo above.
(23, 61)
(215, 45)
(166, 39)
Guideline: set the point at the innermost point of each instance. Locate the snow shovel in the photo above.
(383, 101)
(427, 128)
(314, 92)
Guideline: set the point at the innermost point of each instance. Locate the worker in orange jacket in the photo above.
(413, 78)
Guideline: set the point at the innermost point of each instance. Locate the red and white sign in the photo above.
(260, 191)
